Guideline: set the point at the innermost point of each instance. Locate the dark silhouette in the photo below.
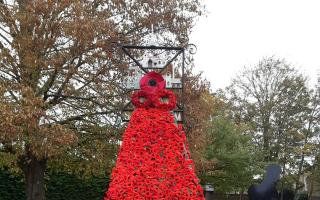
(287, 195)
(266, 190)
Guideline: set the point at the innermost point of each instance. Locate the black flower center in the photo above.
(152, 82)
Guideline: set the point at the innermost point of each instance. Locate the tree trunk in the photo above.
(302, 157)
(266, 146)
(311, 189)
(34, 174)
(241, 194)
(298, 185)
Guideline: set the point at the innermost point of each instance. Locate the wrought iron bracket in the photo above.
(179, 51)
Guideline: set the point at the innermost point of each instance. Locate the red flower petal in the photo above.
(135, 99)
(169, 95)
(152, 82)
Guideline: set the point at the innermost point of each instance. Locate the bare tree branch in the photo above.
(83, 116)
(6, 39)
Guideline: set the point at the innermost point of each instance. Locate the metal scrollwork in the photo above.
(191, 48)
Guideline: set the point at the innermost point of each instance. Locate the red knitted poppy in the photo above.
(138, 103)
(152, 82)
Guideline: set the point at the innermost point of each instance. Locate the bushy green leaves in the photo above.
(232, 154)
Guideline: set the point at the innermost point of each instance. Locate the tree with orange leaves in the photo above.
(59, 74)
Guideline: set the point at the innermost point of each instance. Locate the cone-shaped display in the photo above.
(154, 160)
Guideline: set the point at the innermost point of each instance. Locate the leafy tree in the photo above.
(256, 93)
(314, 167)
(310, 145)
(231, 153)
(199, 105)
(59, 74)
(281, 111)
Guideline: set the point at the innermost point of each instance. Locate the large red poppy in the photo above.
(152, 82)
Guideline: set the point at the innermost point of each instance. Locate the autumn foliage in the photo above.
(61, 66)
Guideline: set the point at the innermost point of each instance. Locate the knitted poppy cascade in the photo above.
(154, 160)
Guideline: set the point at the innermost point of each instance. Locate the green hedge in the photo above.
(59, 186)
(11, 186)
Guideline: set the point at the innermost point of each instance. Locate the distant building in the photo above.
(133, 78)
(152, 63)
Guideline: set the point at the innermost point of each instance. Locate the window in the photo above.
(150, 63)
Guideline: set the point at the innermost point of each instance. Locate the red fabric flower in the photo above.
(141, 99)
(154, 161)
(152, 82)
(166, 95)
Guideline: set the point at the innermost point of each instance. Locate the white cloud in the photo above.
(238, 33)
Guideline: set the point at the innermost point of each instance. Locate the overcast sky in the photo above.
(238, 33)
